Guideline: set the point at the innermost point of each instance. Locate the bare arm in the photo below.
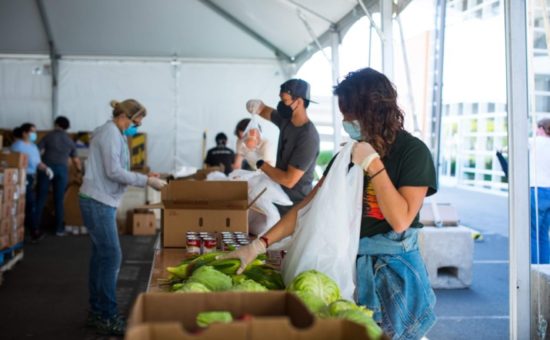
(238, 164)
(77, 164)
(265, 112)
(287, 178)
(399, 206)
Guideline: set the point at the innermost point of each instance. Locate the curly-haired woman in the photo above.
(399, 173)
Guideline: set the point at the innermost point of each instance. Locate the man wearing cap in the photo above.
(221, 155)
(298, 146)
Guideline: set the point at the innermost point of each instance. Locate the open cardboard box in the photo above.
(211, 206)
(270, 315)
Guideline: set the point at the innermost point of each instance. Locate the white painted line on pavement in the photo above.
(474, 317)
(491, 262)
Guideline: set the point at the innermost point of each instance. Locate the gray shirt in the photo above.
(298, 147)
(57, 147)
(107, 167)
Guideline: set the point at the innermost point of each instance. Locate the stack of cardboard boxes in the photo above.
(12, 198)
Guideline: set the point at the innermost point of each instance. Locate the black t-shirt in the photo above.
(408, 163)
(298, 147)
(221, 155)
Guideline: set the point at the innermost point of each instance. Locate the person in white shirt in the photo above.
(540, 193)
(251, 148)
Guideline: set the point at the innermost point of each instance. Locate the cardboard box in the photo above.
(143, 222)
(4, 241)
(72, 206)
(8, 203)
(4, 227)
(22, 177)
(212, 206)
(9, 177)
(20, 219)
(21, 205)
(271, 315)
(133, 198)
(15, 160)
(17, 236)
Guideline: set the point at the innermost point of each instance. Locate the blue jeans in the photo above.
(60, 179)
(30, 208)
(543, 246)
(106, 256)
(393, 282)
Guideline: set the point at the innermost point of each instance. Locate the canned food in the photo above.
(228, 245)
(209, 245)
(193, 245)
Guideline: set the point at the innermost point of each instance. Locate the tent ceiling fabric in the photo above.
(21, 30)
(168, 28)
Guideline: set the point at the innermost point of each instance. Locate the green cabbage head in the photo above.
(205, 319)
(316, 283)
(363, 317)
(192, 287)
(249, 286)
(315, 304)
(211, 278)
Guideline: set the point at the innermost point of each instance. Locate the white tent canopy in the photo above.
(192, 63)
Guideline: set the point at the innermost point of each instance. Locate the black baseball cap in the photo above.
(297, 88)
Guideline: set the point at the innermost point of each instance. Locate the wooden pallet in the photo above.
(10, 256)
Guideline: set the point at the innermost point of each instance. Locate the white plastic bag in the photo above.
(264, 205)
(252, 135)
(327, 231)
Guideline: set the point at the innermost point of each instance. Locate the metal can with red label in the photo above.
(193, 245)
(209, 245)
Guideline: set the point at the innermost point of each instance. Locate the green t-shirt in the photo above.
(408, 163)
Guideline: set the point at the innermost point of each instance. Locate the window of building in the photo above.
(542, 82)
(542, 103)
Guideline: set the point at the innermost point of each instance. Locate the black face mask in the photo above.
(284, 110)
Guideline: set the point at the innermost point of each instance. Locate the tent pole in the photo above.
(386, 11)
(335, 62)
(408, 76)
(437, 85)
(517, 72)
(54, 56)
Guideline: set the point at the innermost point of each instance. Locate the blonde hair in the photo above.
(130, 107)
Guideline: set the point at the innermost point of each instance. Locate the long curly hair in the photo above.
(368, 96)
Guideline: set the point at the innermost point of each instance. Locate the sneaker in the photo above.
(113, 326)
(37, 237)
(93, 320)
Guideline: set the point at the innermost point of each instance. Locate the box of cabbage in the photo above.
(208, 292)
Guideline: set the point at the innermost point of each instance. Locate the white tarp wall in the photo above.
(25, 93)
(183, 98)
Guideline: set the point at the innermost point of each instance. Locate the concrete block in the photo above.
(540, 297)
(448, 253)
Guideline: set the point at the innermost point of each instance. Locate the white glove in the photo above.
(254, 106)
(246, 254)
(156, 183)
(49, 173)
(252, 157)
(363, 154)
